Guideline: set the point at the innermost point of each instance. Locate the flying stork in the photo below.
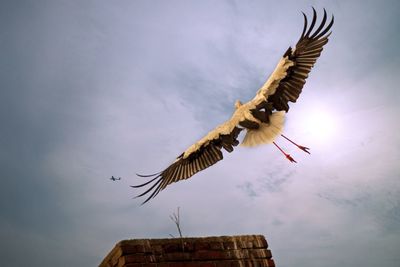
(262, 117)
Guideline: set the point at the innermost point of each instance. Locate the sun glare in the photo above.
(321, 124)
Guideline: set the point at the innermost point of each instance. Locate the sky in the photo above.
(91, 89)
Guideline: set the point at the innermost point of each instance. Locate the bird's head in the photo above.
(237, 104)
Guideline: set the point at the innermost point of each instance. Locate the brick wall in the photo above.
(223, 251)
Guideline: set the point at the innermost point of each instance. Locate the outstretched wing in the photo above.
(287, 80)
(185, 166)
(284, 85)
(304, 56)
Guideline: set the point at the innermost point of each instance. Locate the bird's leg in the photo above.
(286, 155)
(305, 149)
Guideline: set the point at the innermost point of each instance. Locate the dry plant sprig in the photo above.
(176, 219)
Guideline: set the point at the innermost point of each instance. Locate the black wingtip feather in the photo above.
(154, 194)
(146, 183)
(314, 19)
(305, 26)
(149, 189)
(147, 175)
(305, 54)
(326, 29)
(320, 26)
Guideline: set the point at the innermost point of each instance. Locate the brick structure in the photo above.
(223, 251)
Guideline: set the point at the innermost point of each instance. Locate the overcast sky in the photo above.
(91, 89)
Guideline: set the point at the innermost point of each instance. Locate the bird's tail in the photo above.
(267, 132)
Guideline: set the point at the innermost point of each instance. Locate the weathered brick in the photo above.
(160, 258)
(228, 263)
(259, 263)
(206, 264)
(260, 242)
(178, 256)
(211, 255)
(188, 246)
(133, 258)
(132, 249)
(115, 254)
(183, 264)
(121, 262)
(246, 244)
(259, 253)
(270, 262)
(150, 258)
(239, 254)
(253, 263)
(201, 246)
(216, 246)
(223, 251)
(157, 249)
(173, 247)
(230, 245)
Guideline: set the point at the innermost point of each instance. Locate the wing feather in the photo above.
(284, 85)
(185, 167)
(304, 56)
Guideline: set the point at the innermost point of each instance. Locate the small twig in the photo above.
(176, 219)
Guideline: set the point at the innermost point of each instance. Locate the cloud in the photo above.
(90, 91)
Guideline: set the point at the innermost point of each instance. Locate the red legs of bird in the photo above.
(305, 149)
(286, 155)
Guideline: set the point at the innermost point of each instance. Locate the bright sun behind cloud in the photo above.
(321, 124)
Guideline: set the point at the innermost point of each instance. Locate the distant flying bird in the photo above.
(115, 179)
(262, 117)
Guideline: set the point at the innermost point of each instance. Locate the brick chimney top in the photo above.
(217, 251)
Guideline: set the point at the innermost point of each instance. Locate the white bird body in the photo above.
(262, 117)
(267, 132)
(243, 112)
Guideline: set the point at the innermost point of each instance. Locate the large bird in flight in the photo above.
(262, 117)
